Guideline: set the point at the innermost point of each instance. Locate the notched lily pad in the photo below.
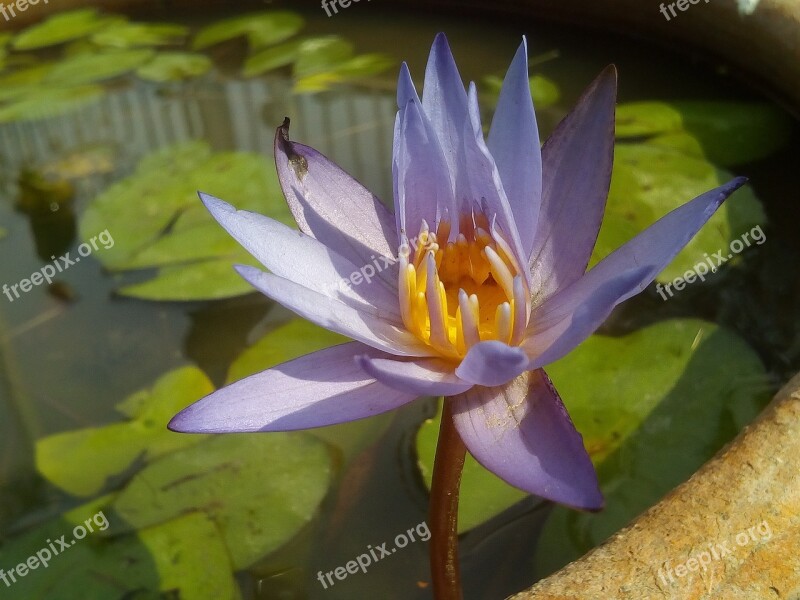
(649, 181)
(262, 29)
(158, 222)
(111, 449)
(175, 66)
(670, 393)
(63, 27)
(260, 490)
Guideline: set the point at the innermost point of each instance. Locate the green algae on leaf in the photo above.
(260, 490)
(707, 380)
(111, 449)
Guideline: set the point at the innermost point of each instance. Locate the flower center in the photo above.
(456, 293)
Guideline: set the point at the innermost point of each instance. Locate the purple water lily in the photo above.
(477, 282)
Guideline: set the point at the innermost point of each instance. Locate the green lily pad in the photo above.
(158, 222)
(685, 384)
(328, 60)
(41, 102)
(135, 35)
(274, 57)
(111, 449)
(544, 91)
(60, 28)
(262, 29)
(98, 66)
(321, 54)
(175, 66)
(185, 557)
(649, 181)
(729, 133)
(649, 433)
(260, 490)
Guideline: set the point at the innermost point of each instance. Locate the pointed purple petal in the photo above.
(492, 363)
(424, 377)
(291, 254)
(322, 388)
(567, 318)
(577, 160)
(373, 329)
(422, 187)
(482, 179)
(444, 101)
(405, 87)
(522, 433)
(331, 206)
(514, 144)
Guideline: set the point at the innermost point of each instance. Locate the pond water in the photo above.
(152, 305)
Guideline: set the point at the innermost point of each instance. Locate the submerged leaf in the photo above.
(259, 489)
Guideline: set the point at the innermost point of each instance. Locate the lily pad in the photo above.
(649, 181)
(98, 66)
(60, 28)
(262, 29)
(696, 385)
(271, 58)
(651, 432)
(320, 54)
(328, 60)
(185, 556)
(135, 35)
(544, 91)
(175, 66)
(729, 133)
(111, 449)
(40, 102)
(260, 490)
(158, 222)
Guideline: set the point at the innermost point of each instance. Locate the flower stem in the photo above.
(443, 509)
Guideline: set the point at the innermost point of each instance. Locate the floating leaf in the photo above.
(651, 431)
(174, 66)
(42, 102)
(543, 90)
(135, 35)
(320, 54)
(672, 380)
(648, 182)
(111, 449)
(261, 29)
(60, 28)
(271, 58)
(729, 133)
(98, 66)
(259, 489)
(157, 220)
(184, 557)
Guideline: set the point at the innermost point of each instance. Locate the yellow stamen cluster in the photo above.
(457, 292)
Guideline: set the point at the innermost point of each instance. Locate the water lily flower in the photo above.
(476, 283)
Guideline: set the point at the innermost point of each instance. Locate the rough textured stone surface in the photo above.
(744, 505)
